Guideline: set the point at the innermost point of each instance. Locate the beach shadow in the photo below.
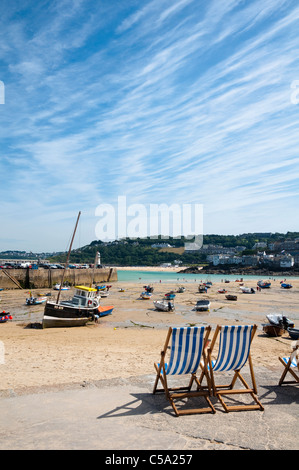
(141, 404)
(279, 395)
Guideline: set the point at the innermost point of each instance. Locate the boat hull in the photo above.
(103, 311)
(164, 306)
(202, 306)
(293, 332)
(231, 297)
(56, 316)
(272, 330)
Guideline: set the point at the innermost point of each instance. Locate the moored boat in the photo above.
(35, 300)
(84, 305)
(145, 295)
(5, 316)
(74, 312)
(202, 288)
(181, 289)
(272, 330)
(293, 332)
(170, 295)
(285, 285)
(231, 297)
(264, 284)
(57, 287)
(280, 320)
(105, 310)
(164, 305)
(202, 305)
(247, 290)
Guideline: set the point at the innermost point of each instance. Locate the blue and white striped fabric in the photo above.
(293, 363)
(233, 348)
(186, 350)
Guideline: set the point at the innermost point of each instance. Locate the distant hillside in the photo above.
(141, 252)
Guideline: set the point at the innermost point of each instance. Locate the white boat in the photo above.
(36, 300)
(247, 290)
(103, 293)
(181, 289)
(164, 305)
(280, 320)
(57, 287)
(145, 295)
(202, 305)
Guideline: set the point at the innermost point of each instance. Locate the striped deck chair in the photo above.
(233, 353)
(186, 356)
(291, 365)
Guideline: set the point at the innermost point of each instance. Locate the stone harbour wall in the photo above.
(39, 278)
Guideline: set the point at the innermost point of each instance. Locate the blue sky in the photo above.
(182, 101)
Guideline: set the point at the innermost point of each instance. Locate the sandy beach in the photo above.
(129, 341)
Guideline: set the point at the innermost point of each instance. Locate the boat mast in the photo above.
(67, 259)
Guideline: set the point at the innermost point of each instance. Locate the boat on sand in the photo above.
(164, 305)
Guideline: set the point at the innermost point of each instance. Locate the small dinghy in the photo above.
(280, 320)
(170, 295)
(293, 332)
(145, 295)
(231, 297)
(202, 305)
(277, 325)
(164, 305)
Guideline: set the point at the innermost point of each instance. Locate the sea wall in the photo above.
(39, 278)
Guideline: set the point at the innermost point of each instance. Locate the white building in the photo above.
(287, 261)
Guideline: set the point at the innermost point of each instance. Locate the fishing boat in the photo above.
(170, 295)
(231, 297)
(164, 305)
(277, 325)
(202, 288)
(103, 293)
(84, 305)
(272, 330)
(247, 290)
(57, 287)
(222, 291)
(280, 320)
(285, 285)
(145, 295)
(35, 300)
(264, 284)
(105, 310)
(202, 305)
(5, 316)
(148, 288)
(293, 332)
(74, 312)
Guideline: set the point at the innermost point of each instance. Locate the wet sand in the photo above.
(129, 341)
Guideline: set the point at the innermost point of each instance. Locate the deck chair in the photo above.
(291, 365)
(233, 353)
(186, 356)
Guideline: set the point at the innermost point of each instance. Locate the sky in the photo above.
(186, 102)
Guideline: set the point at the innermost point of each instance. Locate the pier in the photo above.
(27, 278)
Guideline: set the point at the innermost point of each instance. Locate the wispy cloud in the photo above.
(164, 102)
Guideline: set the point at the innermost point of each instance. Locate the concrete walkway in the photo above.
(122, 414)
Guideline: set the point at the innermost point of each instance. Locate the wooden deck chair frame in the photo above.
(291, 364)
(220, 390)
(199, 358)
